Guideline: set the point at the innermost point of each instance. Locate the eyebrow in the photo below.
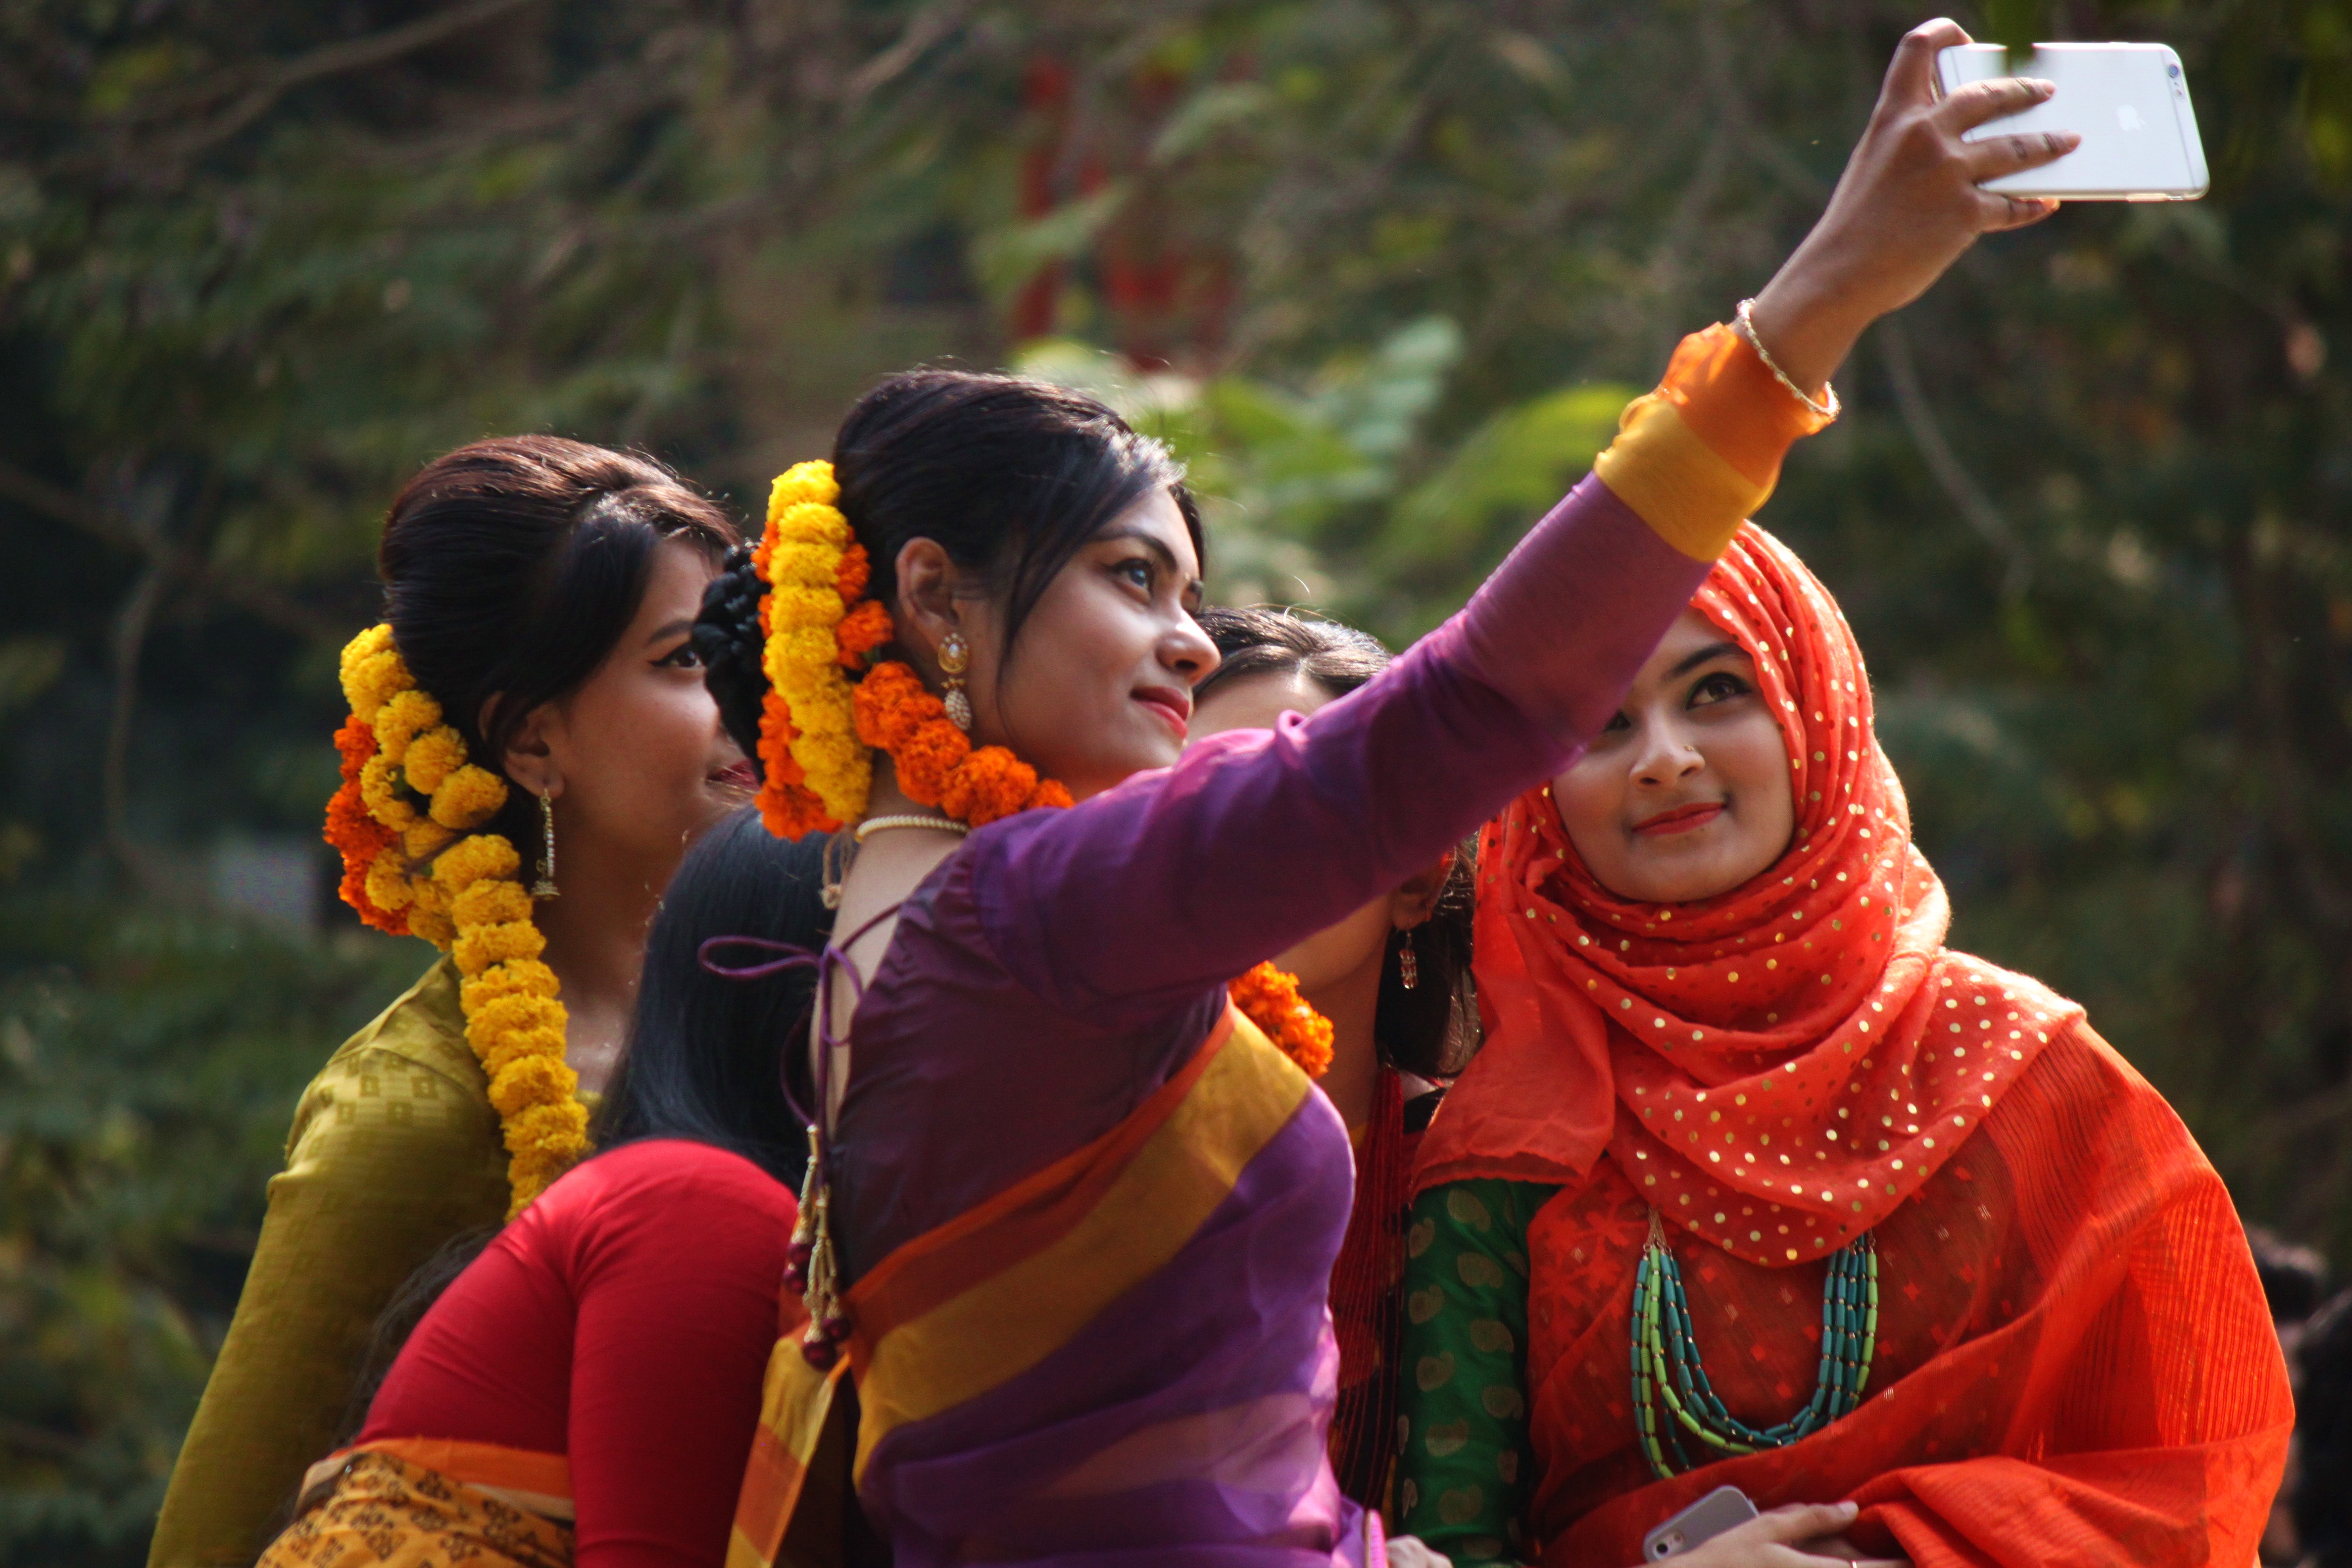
(669, 629)
(1711, 651)
(1158, 547)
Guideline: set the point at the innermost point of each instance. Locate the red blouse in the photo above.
(624, 1321)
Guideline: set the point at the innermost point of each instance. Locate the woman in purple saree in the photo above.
(1083, 1214)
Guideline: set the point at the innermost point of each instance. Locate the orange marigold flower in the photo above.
(1270, 999)
(864, 628)
(893, 705)
(849, 579)
(356, 742)
(928, 759)
(795, 813)
(992, 783)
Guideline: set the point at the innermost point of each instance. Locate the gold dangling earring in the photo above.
(545, 887)
(1409, 964)
(954, 656)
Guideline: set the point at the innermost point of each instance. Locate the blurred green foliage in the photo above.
(1383, 269)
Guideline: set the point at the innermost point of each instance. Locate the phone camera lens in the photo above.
(2172, 70)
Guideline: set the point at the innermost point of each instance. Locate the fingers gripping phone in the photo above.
(2129, 103)
(1701, 1521)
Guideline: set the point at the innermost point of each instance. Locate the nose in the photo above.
(1188, 651)
(1667, 754)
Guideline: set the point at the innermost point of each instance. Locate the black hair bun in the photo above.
(726, 639)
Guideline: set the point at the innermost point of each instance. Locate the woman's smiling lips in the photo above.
(1680, 819)
(1170, 706)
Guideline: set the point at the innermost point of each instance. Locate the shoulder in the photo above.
(2079, 1097)
(405, 1089)
(425, 1025)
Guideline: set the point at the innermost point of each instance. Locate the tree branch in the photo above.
(1958, 484)
(926, 28)
(256, 91)
(37, 494)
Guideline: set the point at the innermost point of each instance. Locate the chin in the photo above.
(1673, 884)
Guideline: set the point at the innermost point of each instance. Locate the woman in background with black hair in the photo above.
(538, 594)
(711, 1056)
(1394, 980)
(597, 1369)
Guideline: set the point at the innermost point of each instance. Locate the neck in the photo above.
(885, 798)
(1350, 1002)
(596, 945)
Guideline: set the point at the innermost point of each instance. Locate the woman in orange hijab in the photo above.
(1754, 1183)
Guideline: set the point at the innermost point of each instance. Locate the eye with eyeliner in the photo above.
(1716, 686)
(682, 657)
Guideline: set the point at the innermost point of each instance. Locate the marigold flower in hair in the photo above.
(1269, 998)
(405, 820)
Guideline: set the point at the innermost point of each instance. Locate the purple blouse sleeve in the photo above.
(1180, 878)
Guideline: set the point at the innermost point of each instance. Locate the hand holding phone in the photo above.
(1722, 1509)
(1799, 1536)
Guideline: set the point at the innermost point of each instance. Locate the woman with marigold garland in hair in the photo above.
(533, 690)
(1393, 979)
(1073, 1216)
(1757, 1184)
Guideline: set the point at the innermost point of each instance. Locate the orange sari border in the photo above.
(539, 1482)
(796, 1409)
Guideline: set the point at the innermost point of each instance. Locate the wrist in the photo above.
(1808, 326)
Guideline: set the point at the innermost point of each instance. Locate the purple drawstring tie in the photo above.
(794, 958)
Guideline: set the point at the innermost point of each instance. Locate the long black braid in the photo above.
(726, 639)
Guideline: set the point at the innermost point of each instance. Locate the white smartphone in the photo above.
(2129, 102)
(1701, 1521)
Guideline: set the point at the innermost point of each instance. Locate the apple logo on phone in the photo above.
(2129, 118)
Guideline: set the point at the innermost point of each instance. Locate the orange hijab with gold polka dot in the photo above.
(1776, 1067)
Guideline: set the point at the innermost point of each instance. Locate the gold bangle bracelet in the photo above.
(1827, 409)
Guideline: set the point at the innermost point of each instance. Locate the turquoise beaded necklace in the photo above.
(1666, 1369)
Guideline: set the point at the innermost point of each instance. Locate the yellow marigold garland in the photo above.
(405, 822)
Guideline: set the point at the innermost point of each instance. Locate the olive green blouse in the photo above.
(394, 1150)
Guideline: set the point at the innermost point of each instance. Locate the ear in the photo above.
(1414, 902)
(927, 609)
(530, 759)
